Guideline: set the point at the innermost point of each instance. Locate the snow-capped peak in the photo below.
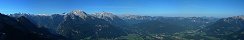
(238, 17)
(79, 13)
(104, 14)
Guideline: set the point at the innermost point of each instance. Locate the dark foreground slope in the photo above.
(22, 29)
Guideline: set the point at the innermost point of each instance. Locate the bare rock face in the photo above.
(78, 13)
(77, 28)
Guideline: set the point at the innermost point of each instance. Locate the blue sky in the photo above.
(185, 8)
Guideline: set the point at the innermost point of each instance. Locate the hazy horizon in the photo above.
(170, 8)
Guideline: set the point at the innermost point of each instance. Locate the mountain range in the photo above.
(78, 25)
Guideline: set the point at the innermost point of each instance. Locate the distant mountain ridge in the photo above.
(229, 28)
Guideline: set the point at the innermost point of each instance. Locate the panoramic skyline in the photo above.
(182, 8)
